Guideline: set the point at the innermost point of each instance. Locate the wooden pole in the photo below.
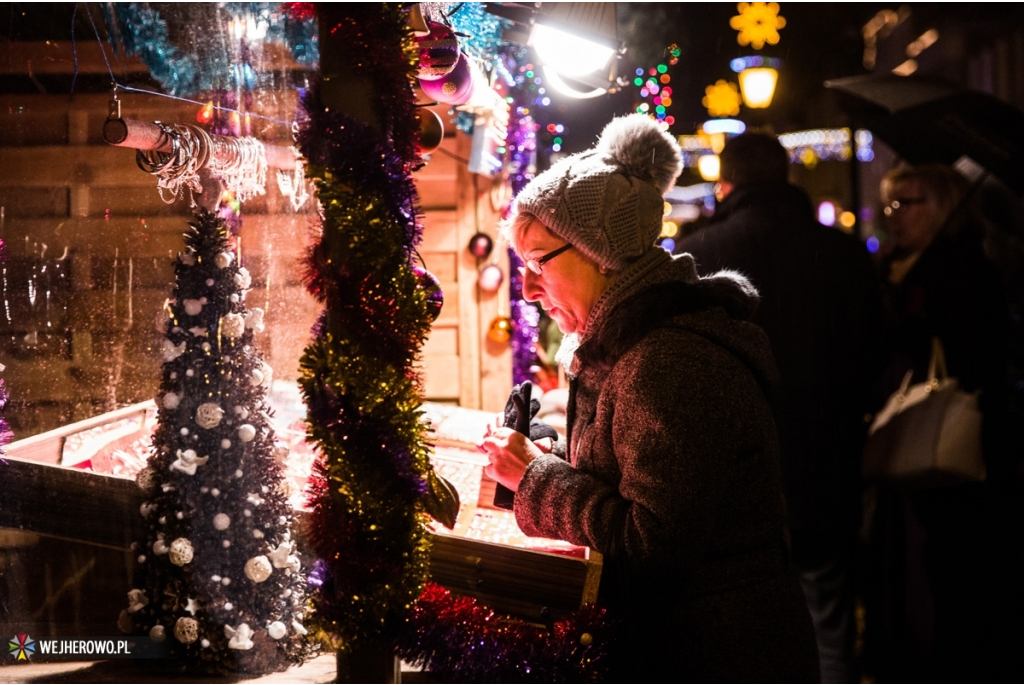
(145, 136)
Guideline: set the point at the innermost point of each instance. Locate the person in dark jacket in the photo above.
(944, 599)
(671, 467)
(821, 309)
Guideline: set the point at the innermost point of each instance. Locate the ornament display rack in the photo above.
(141, 135)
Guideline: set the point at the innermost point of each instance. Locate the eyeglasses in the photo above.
(904, 204)
(536, 265)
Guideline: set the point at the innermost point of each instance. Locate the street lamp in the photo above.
(758, 76)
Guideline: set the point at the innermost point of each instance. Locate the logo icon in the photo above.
(23, 647)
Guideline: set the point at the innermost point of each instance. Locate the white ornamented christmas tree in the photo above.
(218, 579)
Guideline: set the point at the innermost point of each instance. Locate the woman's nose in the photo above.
(531, 290)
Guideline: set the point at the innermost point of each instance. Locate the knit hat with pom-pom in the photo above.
(608, 202)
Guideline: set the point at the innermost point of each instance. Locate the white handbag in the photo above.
(928, 433)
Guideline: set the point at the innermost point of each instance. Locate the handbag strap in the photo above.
(937, 365)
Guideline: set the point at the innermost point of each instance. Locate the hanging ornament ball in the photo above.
(124, 622)
(222, 260)
(276, 630)
(258, 569)
(480, 245)
(146, 479)
(246, 432)
(232, 325)
(186, 630)
(500, 330)
(586, 639)
(432, 289)
(221, 521)
(209, 415)
(439, 52)
(158, 633)
(453, 89)
(431, 130)
(180, 552)
(491, 278)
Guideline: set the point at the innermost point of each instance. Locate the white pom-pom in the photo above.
(276, 630)
(637, 145)
(171, 400)
(221, 521)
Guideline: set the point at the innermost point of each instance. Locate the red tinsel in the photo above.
(458, 640)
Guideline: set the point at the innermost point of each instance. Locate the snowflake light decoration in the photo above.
(722, 99)
(758, 23)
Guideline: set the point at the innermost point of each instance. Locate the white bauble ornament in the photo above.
(186, 630)
(223, 260)
(208, 415)
(258, 569)
(221, 521)
(254, 319)
(246, 432)
(240, 637)
(242, 279)
(276, 630)
(171, 400)
(146, 479)
(136, 600)
(158, 633)
(193, 307)
(232, 325)
(180, 552)
(170, 351)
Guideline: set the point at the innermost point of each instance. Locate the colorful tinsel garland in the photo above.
(357, 375)
(458, 640)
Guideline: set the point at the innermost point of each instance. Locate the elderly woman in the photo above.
(671, 465)
(944, 598)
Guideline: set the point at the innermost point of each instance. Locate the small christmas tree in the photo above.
(218, 580)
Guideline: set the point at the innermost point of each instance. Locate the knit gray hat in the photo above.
(608, 202)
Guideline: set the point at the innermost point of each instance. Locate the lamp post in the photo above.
(757, 85)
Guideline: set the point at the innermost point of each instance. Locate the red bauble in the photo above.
(455, 88)
(431, 130)
(480, 245)
(439, 52)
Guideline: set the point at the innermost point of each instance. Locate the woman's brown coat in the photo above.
(673, 474)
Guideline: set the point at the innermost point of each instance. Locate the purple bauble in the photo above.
(439, 52)
(432, 287)
(480, 245)
(453, 89)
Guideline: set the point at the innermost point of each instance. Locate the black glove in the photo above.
(519, 418)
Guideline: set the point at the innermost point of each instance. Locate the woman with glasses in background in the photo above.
(671, 464)
(939, 602)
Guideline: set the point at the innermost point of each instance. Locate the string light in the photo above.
(758, 23)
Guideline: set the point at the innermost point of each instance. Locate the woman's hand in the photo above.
(509, 453)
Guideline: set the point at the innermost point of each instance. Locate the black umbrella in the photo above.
(929, 120)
